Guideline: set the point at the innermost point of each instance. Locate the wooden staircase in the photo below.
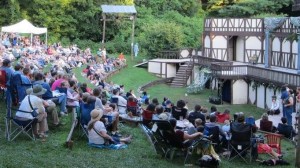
(182, 75)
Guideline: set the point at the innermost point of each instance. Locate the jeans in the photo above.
(288, 113)
(62, 100)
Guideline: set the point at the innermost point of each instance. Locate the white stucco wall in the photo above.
(276, 44)
(260, 97)
(251, 94)
(286, 46)
(171, 70)
(239, 92)
(207, 42)
(253, 43)
(240, 49)
(219, 42)
(295, 47)
(269, 94)
(154, 67)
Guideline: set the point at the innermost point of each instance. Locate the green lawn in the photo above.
(25, 153)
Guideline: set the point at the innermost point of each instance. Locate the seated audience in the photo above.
(148, 114)
(196, 114)
(265, 124)
(97, 132)
(198, 127)
(178, 111)
(122, 102)
(144, 98)
(221, 117)
(285, 129)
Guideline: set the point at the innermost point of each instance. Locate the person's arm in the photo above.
(276, 105)
(105, 135)
(291, 102)
(193, 136)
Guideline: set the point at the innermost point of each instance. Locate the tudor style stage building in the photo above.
(251, 58)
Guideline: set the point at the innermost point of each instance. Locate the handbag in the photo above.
(34, 113)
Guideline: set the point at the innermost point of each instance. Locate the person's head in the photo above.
(180, 104)
(265, 117)
(85, 96)
(97, 92)
(283, 88)
(6, 62)
(198, 122)
(38, 76)
(159, 109)
(226, 111)
(144, 93)
(213, 109)
(130, 98)
(283, 120)
(197, 108)
(155, 101)
(151, 107)
(212, 118)
(173, 122)
(115, 91)
(291, 92)
(96, 115)
(18, 67)
(26, 71)
(113, 106)
(104, 101)
(240, 117)
(36, 90)
(72, 83)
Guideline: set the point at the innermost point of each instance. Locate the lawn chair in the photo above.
(85, 115)
(147, 118)
(240, 141)
(133, 107)
(3, 81)
(213, 133)
(18, 88)
(15, 126)
(274, 141)
(171, 142)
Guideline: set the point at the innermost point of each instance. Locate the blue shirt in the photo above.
(46, 86)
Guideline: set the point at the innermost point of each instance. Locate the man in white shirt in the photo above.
(122, 102)
(274, 106)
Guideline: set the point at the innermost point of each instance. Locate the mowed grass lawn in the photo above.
(25, 153)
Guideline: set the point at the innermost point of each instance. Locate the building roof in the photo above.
(118, 9)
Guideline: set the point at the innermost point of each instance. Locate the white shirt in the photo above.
(25, 106)
(275, 105)
(93, 136)
(122, 104)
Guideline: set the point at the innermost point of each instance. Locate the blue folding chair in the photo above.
(85, 115)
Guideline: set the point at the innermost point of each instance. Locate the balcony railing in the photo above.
(229, 70)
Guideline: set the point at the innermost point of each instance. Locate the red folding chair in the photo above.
(133, 107)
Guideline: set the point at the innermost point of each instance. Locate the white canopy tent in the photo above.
(24, 27)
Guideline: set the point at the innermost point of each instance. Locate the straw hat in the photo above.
(96, 114)
(36, 90)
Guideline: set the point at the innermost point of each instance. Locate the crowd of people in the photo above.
(53, 92)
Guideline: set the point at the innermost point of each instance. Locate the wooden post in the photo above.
(103, 32)
(132, 35)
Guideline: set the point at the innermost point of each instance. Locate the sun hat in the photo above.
(96, 114)
(36, 90)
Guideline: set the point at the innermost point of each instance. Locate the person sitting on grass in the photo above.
(97, 133)
(179, 112)
(196, 114)
(286, 130)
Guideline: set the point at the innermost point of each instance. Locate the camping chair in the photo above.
(133, 107)
(16, 125)
(213, 133)
(3, 82)
(18, 88)
(240, 141)
(85, 115)
(116, 101)
(147, 118)
(274, 141)
(171, 141)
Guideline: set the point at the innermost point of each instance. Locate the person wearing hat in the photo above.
(274, 106)
(97, 132)
(34, 96)
(6, 66)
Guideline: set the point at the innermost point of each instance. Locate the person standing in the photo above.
(289, 106)
(298, 100)
(284, 96)
(136, 49)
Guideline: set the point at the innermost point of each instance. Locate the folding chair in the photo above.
(240, 141)
(116, 101)
(85, 115)
(18, 88)
(3, 81)
(147, 117)
(213, 133)
(171, 141)
(133, 107)
(108, 124)
(16, 125)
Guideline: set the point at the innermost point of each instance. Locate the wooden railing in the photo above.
(227, 70)
(168, 55)
(217, 53)
(253, 52)
(234, 24)
(284, 59)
